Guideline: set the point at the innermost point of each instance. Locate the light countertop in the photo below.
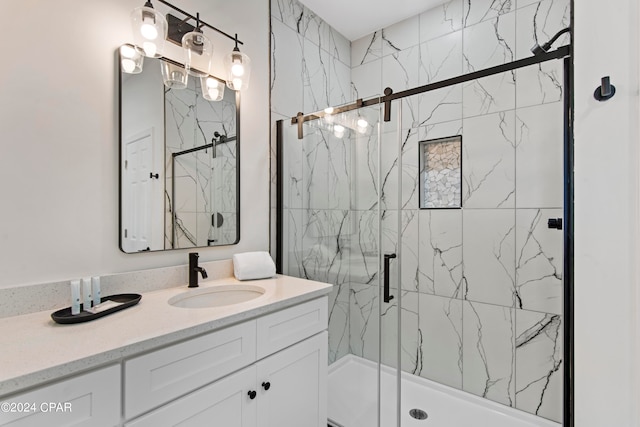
(35, 349)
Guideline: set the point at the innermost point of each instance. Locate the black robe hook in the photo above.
(605, 91)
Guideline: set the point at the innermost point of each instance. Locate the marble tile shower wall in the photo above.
(311, 70)
(481, 303)
(204, 184)
(481, 286)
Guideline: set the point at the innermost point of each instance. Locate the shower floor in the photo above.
(352, 401)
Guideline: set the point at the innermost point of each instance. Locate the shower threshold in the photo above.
(352, 401)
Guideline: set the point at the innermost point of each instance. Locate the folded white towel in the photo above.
(253, 265)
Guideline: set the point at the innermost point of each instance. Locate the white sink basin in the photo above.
(217, 296)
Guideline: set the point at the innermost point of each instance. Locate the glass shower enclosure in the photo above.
(334, 206)
(440, 229)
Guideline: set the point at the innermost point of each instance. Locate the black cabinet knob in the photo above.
(266, 385)
(252, 394)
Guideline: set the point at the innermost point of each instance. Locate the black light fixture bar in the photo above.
(389, 96)
(202, 23)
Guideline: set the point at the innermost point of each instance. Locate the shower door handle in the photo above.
(387, 257)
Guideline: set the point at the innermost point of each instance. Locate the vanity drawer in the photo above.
(289, 326)
(91, 400)
(161, 376)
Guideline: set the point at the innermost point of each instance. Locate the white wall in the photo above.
(606, 213)
(59, 136)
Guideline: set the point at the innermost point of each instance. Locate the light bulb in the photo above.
(150, 49)
(128, 65)
(149, 31)
(212, 88)
(213, 92)
(362, 126)
(328, 110)
(211, 82)
(130, 59)
(237, 69)
(338, 131)
(149, 26)
(127, 51)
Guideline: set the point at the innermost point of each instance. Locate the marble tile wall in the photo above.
(204, 183)
(480, 286)
(311, 70)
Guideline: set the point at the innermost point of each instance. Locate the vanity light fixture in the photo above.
(196, 44)
(238, 67)
(151, 29)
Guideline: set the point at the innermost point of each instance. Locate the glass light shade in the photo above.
(338, 131)
(149, 31)
(198, 53)
(212, 88)
(131, 59)
(238, 66)
(174, 76)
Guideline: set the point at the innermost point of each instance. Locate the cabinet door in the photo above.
(163, 375)
(296, 393)
(225, 403)
(91, 400)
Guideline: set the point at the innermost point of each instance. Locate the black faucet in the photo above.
(194, 270)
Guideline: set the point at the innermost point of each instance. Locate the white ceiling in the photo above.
(357, 18)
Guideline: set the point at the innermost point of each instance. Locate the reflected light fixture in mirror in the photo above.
(212, 88)
(130, 59)
(362, 125)
(173, 75)
(150, 29)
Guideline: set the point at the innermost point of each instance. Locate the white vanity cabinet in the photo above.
(224, 403)
(160, 376)
(287, 389)
(89, 400)
(292, 386)
(266, 372)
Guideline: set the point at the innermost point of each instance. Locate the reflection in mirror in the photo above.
(179, 163)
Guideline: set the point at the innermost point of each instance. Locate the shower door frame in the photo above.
(213, 146)
(564, 53)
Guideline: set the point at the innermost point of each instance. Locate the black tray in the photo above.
(64, 316)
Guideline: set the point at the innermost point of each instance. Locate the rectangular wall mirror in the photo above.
(179, 161)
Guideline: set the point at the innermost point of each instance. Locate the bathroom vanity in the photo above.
(261, 362)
